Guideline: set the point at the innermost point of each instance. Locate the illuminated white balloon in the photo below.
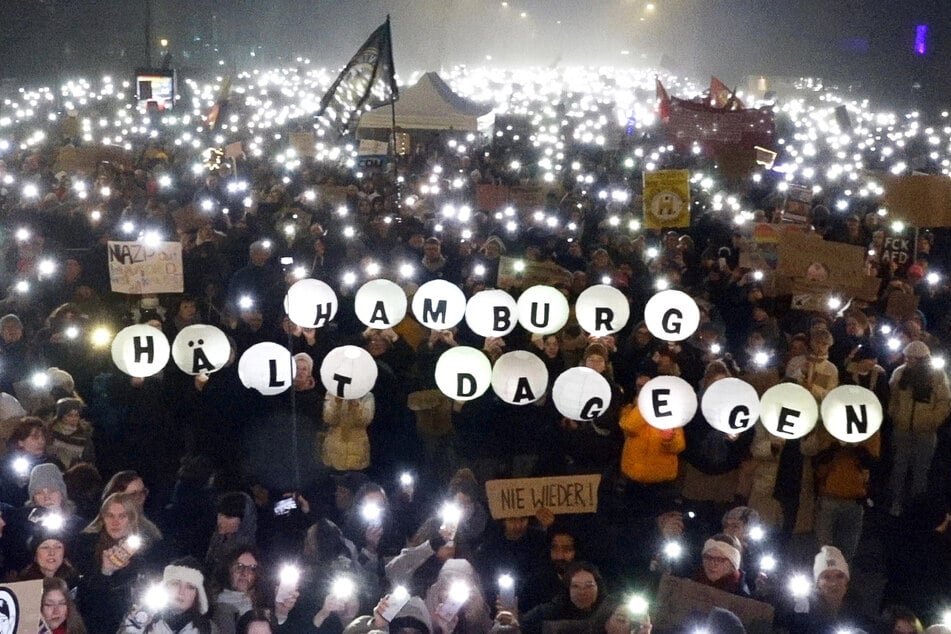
(492, 313)
(380, 304)
(667, 402)
(310, 303)
(267, 367)
(200, 349)
(672, 315)
(348, 372)
(788, 410)
(519, 377)
(602, 310)
(439, 304)
(463, 373)
(581, 394)
(140, 350)
(730, 405)
(542, 310)
(851, 413)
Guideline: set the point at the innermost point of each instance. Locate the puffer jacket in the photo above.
(648, 458)
(347, 445)
(920, 416)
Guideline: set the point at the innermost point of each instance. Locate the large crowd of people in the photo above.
(179, 503)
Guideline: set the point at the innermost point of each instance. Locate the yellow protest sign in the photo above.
(666, 199)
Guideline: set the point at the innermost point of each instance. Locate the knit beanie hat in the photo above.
(916, 349)
(829, 558)
(464, 481)
(743, 514)
(723, 550)
(188, 570)
(46, 476)
(414, 615)
(66, 405)
(61, 379)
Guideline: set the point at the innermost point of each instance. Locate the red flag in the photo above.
(663, 102)
(721, 96)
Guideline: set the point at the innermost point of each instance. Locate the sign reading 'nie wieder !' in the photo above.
(521, 497)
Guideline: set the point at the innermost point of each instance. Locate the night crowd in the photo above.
(111, 484)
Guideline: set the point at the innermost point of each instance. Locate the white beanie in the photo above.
(724, 550)
(829, 558)
(187, 574)
(916, 349)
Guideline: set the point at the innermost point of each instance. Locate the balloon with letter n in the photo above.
(519, 377)
(463, 373)
(667, 402)
(380, 304)
(267, 367)
(581, 394)
(851, 413)
(201, 349)
(672, 315)
(140, 350)
(348, 372)
(310, 303)
(789, 411)
(730, 406)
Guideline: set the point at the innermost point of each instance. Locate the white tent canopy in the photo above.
(430, 104)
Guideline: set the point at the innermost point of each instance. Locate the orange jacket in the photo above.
(647, 457)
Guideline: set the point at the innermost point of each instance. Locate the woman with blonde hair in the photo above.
(110, 554)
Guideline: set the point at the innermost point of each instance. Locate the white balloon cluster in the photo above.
(850, 413)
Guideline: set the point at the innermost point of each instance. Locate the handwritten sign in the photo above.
(533, 273)
(520, 497)
(682, 601)
(137, 269)
(22, 602)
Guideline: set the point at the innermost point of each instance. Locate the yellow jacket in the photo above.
(647, 457)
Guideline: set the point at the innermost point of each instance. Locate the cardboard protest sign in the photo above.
(491, 197)
(807, 265)
(520, 497)
(234, 150)
(22, 601)
(304, 143)
(85, 159)
(681, 601)
(333, 195)
(137, 269)
(666, 199)
(547, 273)
(923, 200)
(369, 147)
(798, 204)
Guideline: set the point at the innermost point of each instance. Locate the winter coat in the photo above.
(764, 479)
(646, 457)
(247, 534)
(843, 471)
(925, 413)
(75, 447)
(347, 445)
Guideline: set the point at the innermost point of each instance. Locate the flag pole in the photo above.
(393, 155)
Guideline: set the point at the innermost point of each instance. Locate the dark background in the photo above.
(866, 43)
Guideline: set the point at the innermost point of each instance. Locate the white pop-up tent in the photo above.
(430, 104)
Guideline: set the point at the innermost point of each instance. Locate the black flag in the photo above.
(368, 81)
